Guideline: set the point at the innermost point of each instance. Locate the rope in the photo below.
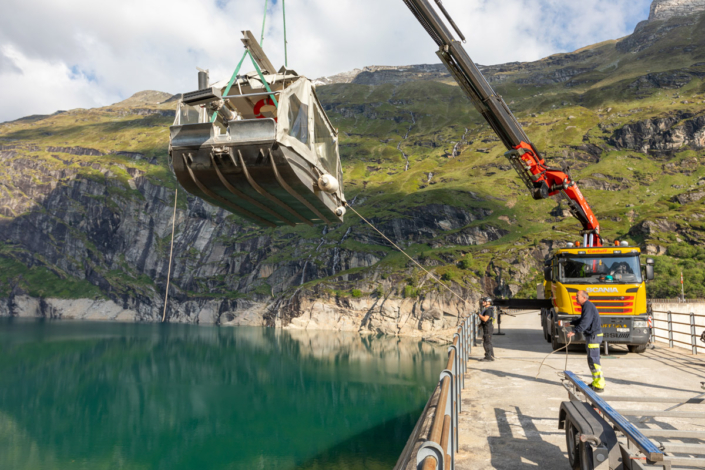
(171, 253)
(405, 254)
(570, 340)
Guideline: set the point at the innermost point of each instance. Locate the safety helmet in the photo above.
(487, 299)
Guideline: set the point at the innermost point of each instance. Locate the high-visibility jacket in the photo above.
(589, 322)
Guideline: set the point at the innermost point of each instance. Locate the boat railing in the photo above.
(434, 441)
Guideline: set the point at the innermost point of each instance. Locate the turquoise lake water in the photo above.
(79, 395)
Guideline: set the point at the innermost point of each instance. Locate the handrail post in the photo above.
(670, 329)
(462, 360)
(456, 363)
(474, 330)
(464, 350)
(693, 340)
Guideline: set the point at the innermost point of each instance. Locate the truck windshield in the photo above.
(600, 270)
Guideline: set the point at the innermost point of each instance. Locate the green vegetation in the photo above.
(410, 292)
(38, 281)
(571, 106)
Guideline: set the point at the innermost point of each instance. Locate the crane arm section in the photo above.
(541, 180)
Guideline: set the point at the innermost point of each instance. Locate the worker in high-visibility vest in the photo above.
(589, 325)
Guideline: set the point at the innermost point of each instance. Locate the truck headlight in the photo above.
(640, 324)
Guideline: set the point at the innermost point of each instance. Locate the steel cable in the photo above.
(171, 253)
(405, 254)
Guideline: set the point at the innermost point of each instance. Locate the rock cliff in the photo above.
(86, 197)
(666, 9)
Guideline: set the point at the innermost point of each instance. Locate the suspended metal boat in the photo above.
(260, 146)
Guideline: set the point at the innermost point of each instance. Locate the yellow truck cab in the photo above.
(613, 278)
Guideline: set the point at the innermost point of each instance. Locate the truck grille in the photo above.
(608, 303)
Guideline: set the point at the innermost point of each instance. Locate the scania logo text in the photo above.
(602, 289)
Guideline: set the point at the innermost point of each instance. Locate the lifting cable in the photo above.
(171, 252)
(234, 77)
(264, 19)
(286, 60)
(448, 288)
(405, 254)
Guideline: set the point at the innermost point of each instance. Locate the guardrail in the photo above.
(434, 441)
(673, 335)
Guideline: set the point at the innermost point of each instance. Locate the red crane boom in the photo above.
(541, 180)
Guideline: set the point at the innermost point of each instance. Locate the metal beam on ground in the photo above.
(642, 442)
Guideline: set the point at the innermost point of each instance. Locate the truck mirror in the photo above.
(649, 272)
(547, 273)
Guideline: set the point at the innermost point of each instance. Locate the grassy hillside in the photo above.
(627, 116)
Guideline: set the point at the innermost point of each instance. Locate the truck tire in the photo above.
(637, 348)
(544, 326)
(554, 339)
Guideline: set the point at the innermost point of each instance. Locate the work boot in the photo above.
(486, 359)
(595, 389)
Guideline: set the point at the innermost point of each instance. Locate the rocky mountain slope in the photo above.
(87, 197)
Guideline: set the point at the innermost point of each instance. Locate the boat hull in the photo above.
(246, 171)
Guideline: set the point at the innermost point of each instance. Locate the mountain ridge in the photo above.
(87, 197)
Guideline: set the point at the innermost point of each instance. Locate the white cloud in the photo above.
(58, 54)
(36, 86)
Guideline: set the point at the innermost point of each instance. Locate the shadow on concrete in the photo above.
(520, 339)
(609, 379)
(520, 446)
(674, 359)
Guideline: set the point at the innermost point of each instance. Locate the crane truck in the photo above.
(612, 275)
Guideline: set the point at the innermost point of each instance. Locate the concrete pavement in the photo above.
(510, 418)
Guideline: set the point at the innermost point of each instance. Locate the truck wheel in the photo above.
(544, 326)
(573, 445)
(637, 348)
(554, 339)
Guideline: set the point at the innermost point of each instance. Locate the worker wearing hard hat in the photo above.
(487, 316)
(589, 325)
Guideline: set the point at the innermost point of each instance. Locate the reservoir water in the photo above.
(79, 395)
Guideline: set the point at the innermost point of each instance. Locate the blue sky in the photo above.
(78, 53)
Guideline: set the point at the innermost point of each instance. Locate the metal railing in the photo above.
(434, 447)
(671, 332)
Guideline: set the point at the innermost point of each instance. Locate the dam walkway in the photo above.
(509, 418)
